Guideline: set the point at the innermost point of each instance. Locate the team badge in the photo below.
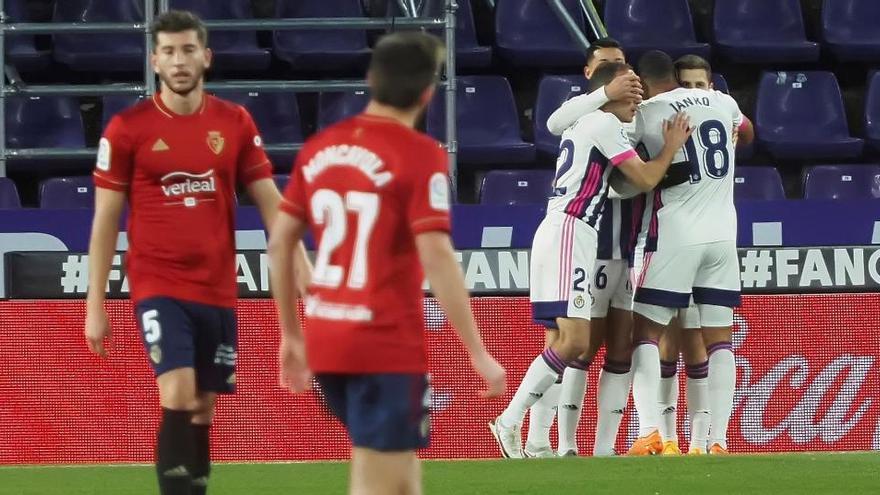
(579, 301)
(216, 142)
(231, 379)
(156, 354)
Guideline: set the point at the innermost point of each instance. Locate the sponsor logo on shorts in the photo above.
(156, 354)
(231, 379)
(225, 355)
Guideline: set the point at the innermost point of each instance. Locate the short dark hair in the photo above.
(178, 21)
(599, 44)
(693, 62)
(605, 73)
(403, 66)
(657, 66)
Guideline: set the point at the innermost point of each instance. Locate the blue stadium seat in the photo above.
(469, 53)
(553, 91)
(761, 31)
(233, 50)
(842, 182)
(8, 194)
(849, 29)
(516, 187)
(114, 104)
(801, 115)
(21, 51)
(43, 122)
(67, 192)
(319, 50)
(528, 34)
(872, 110)
(105, 52)
(642, 25)
(334, 107)
(757, 183)
(281, 181)
(720, 83)
(488, 126)
(276, 114)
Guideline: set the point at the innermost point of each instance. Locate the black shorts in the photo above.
(387, 412)
(183, 334)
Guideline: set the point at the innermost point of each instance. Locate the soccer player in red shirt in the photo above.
(176, 158)
(376, 195)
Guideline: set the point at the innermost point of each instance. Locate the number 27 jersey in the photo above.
(366, 187)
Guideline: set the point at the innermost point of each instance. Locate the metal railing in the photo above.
(148, 86)
(594, 21)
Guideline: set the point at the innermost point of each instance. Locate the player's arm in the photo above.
(102, 246)
(447, 284)
(285, 237)
(267, 198)
(622, 87)
(646, 175)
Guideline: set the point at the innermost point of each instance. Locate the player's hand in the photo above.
(294, 372)
(492, 374)
(97, 330)
(677, 131)
(625, 87)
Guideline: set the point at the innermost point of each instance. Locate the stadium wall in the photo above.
(808, 380)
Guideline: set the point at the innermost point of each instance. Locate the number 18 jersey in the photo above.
(366, 187)
(701, 210)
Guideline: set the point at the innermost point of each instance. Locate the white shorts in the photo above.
(689, 317)
(611, 288)
(562, 259)
(669, 278)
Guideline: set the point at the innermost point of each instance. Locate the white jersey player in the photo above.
(691, 246)
(564, 248)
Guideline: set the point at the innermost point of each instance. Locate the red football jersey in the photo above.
(180, 173)
(367, 186)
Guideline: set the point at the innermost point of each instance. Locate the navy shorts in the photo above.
(388, 412)
(183, 334)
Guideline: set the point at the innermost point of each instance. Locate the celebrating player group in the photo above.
(665, 227)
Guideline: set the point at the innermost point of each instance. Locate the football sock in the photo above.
(542, 373)
(613, 392)
(571, 401)
(698, 404)
(722, 382)
(541, 417)
(646, 382)
(174, 448)
(200, 467)
(668, 400)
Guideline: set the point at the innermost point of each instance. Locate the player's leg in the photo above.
(670, 344)
(543, 413)
(167, 331)
(381, 473)
(200, 467)
(615, 377)
(717, 292)
(697, 367)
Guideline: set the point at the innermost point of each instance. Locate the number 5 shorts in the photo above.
(562, 259)
(182, 334)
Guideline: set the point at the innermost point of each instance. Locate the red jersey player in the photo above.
(375, 194)
(177, 158)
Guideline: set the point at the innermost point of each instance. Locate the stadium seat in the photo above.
(516, 187)
(21, 51)
(642, 25)
(104, 52)
(233, 50)
(276, 114)
(720, 83)
(757, 183)
(469, 53)
(488, 126)
(43, 122)
(114, 104)
(67, 192)
(334, 107)
(528, 34)
(761, 31)
(319, 50)
(8, 194)
(849, 29)
(553, 91)
(872, 110)
(801, 115)
(842, 182)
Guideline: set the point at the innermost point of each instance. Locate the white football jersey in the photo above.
(588, 152)
(701, 210)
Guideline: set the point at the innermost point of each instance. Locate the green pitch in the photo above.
(797, 474)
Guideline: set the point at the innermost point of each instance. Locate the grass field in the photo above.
(801, 474)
